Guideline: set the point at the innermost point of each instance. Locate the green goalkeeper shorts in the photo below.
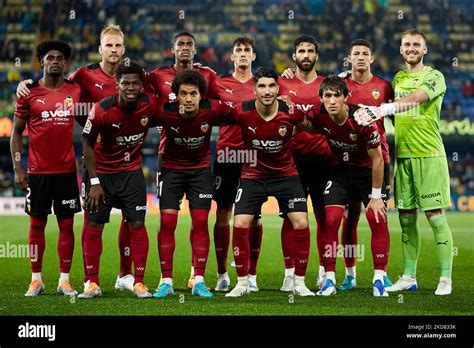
(422, 183)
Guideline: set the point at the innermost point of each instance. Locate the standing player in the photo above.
(48, 111)
(356, 174)
(421, 170)
(368, 89)
(115, 176)
(267, 127)
(234, 88)
(186, 170)
(97, 81)
(311, 152)
(159, 82)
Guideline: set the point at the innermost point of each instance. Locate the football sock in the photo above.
(124, 248)
(289, 272)
(139, 246)
(322, 271)
(301, 251)
(36, 242)
(444, 243)
(287, 243)
(36, 276)
(241, 248)
(331, 275)
(64, 276)
(191, 238)
(411, 242)
(379, 240)
(200, 243)
(198, 279)
(320, 219)
(349, 240)
(93, 250)
(83, 240)
(65, 243)
(221, 244)
(378, 275)
(255, 241)
(332, 222)
(166, 243)
(351, 271)
(168, 281)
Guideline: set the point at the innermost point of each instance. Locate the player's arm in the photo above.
(433, 85)
(16, 145)
(376, 203)
(89, 139)
(22, 89)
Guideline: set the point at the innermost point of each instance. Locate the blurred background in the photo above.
(150, 25)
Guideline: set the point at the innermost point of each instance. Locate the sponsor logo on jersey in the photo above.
(130, 140)
(342, 145)
(304, 107)
(282, 130)
(99, 86)
(144, 121)
(376, 94)
(254, 130)
(41, 101)
(269, 146)
(45, 115)
(193, 142)
(140, 207)
(172, 97)
(175, 129)
(205, 195)
(116, 125)
(71, 202)
(204, 127)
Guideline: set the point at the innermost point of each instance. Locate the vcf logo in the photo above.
(204, 127)
(282, 130)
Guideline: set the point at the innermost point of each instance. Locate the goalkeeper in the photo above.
(421, 169)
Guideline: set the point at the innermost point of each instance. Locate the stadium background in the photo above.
(149, 27)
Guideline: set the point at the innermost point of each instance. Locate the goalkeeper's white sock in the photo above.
(36, 276)
(198, 279)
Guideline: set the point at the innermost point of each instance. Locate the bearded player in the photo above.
(421, 169)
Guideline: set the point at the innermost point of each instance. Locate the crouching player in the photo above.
(267, 126)
(114, 167)
(186, 169)
(357, 174)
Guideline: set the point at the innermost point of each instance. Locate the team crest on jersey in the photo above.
(353, 136)
(415, 81)
(282, 130)
(376, 94)
(144, 120)
(69, 101)
(204, 127)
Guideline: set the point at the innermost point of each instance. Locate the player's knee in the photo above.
(223, 215)
(241, 222)
(434, 212)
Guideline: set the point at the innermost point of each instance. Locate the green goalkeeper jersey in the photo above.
(417, 130)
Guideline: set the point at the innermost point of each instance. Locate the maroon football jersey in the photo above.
(373, 93)
(120, 133)
(158, 82)
(95, 83)
(269, 139)
(50, 121)
(188, 139)
(306, 147)
(349, 142)
(230, 90)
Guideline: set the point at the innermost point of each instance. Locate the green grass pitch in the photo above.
(15, 276)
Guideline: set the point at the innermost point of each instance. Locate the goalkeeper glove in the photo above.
(368, 114)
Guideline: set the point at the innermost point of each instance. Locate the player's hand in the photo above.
(22, 90)
(377, 205)
(96, 195)
(199, 66)
(289, 73)
(21, 179)
(367, 114)
(345, 74)
(287, 100)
